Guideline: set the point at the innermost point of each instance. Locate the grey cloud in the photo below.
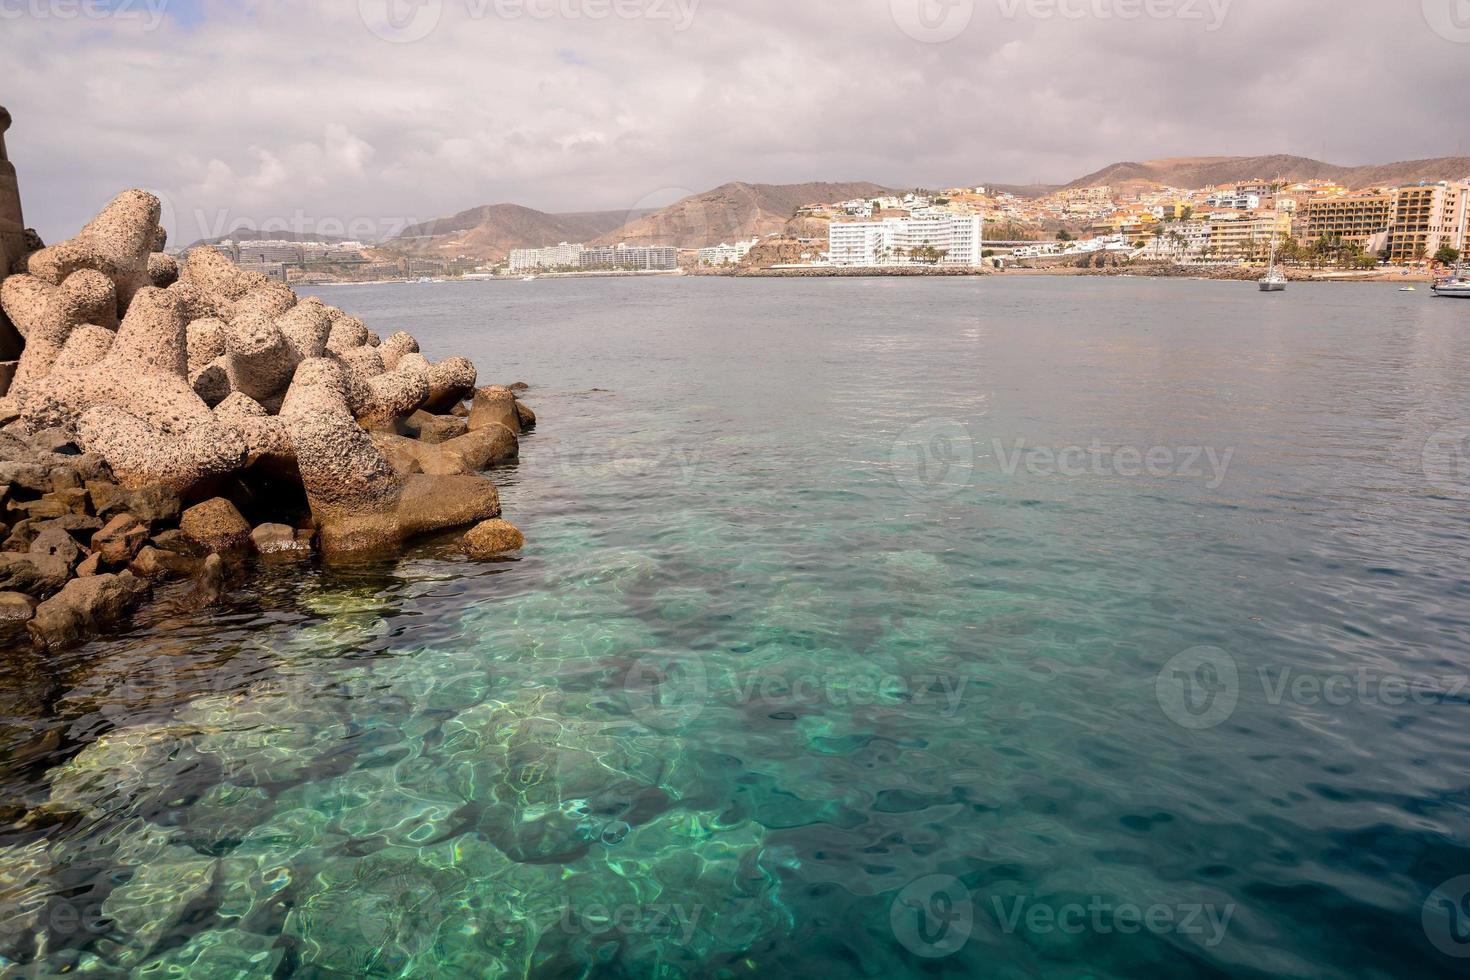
(302, 114)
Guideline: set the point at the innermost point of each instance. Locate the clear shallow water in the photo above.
(822, 660)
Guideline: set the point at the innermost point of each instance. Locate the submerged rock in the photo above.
(86, 606)
(280, 539)
(491, 538)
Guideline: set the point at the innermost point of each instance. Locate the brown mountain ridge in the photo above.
(739, 210)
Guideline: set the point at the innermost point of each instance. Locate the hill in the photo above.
(1207, 171)
(733, 212)
(250, 235)
(491, 231)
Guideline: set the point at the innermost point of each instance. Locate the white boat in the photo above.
(1407, 289)
(528, 278)
(1274, 281)
(1456, 288)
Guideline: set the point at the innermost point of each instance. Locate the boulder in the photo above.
(155, 563)
(451, 381)
(280, 539)
(495, 405)
(57, 543)
(491, 538)
(152, 505)
(435, 429)
(37, 575)
(216, 525)
(81, 527)
(209, 584)
(120, 539)
(434, 503)
(73, 500)
(178, 542)
(16, 609)
(87, 606)
(479, 449)
(116, 243)
(527, 417)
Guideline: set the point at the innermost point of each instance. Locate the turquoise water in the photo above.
(1005, 628)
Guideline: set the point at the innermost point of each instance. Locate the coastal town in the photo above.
(1319, 227)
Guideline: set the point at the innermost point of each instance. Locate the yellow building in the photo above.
(1427, 217)
(1246, 234)
(1356, 218)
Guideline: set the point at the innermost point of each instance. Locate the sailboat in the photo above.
(1274, 280)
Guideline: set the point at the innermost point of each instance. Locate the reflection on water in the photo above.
(773, 692)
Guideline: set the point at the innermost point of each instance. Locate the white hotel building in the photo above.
(897, 241)
(552, 257)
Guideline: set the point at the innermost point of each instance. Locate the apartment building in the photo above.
(1245, 234)
(954, 238)
(1428, 217)
(634, 257)
(1362, 218)
(552, 257)
(722, 254)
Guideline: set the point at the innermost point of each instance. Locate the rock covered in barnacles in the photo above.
(46, 315)
(395, 347)
(451, 381)
(306, 327)
(265, 434)
(357, 499)
(116, 243)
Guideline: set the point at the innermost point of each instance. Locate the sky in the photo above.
(360, 117)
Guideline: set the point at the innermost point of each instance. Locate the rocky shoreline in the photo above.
(163, 421)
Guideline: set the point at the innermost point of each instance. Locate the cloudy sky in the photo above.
(363, 115)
